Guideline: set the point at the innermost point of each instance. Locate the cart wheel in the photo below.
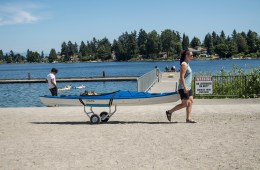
(94, 119)
(104, 116)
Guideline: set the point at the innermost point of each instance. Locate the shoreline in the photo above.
(168, 60)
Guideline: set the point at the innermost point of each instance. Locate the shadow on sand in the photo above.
(106, 123)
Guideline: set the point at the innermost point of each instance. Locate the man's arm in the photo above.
(52, 82)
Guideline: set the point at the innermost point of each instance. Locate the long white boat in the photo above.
(118, 98)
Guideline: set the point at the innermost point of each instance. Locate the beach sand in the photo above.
(227, 136)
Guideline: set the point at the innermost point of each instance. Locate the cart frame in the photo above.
(104, 116)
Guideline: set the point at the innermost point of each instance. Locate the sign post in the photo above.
(203, 85)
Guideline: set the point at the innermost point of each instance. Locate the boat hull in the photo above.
(112, 99)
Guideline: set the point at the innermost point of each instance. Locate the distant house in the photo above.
(113, 55)
(200, 51)
(163, 55)
(74, 58)
(60, 56)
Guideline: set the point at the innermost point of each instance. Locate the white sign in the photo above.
(203, 85)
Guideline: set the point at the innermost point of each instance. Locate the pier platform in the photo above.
(168, 82)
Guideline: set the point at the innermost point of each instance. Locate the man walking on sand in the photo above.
(52, 85)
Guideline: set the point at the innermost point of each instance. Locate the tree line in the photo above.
(244, 44)
(146, 45)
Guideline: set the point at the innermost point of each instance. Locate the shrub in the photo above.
(236, 83)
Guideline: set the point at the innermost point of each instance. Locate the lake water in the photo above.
(27, 95)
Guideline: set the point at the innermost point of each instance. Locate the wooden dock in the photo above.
(71, 79)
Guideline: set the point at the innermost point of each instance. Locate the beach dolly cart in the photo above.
(103, 116)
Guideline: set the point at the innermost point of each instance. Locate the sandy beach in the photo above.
(226, 136)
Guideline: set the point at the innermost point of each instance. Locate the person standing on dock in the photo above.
(184, 87)
(52, 85)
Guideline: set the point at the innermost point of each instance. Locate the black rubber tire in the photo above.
(104, 114)
(95, 119)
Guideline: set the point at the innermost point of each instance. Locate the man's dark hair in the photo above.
(54, 70)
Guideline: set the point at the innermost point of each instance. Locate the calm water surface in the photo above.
(20, 95)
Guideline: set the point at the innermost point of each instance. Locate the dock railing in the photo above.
(146, 81)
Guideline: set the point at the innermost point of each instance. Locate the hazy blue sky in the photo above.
(45, 24)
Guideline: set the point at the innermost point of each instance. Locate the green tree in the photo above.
(82, 49)
(93, 47)
(8, 58)
(221, 50)
(234, 34)
(243, 34)
(153, 45)
(222, 38)
(42, 55)
(177, 42)
(232, 47)
(208, 43)
(258, 44)
(89, 50)
(167, 40)
(19, 58)
(195, 42)
(104, 49)
(75, 49)
(71, 49)
(52, 56)
(241, 43)
(214, 37)
(1, 55)
(118, 49)
(141, 41)
(11, 54)
(252, 39)
(126, 46)
(178, 35)
(33, 57)
(185, 42)
(132, 46)
(64, 51)
(85, 52)
(178, 47)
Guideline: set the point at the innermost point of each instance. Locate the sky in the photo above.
(44, 24)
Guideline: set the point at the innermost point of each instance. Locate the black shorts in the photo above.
(54, 91)
(185, 96)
